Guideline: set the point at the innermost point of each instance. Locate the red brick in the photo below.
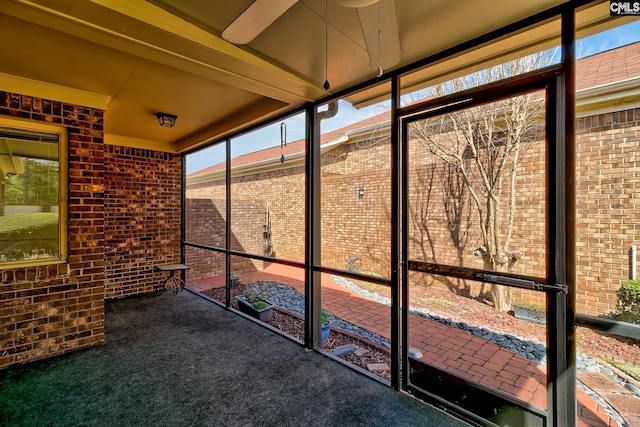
(43, 299)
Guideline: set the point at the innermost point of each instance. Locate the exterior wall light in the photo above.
(166, 120)
(360, 193)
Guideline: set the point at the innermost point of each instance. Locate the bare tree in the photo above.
(485, 145)
(435, 186)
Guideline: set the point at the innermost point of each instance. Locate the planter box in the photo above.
(264, 315)
(324, 333)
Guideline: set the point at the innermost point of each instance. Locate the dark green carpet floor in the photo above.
(183, 361)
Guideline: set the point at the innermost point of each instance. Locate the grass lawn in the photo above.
(42, 225)
(23, 236)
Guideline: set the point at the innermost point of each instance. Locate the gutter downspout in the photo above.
(313, 259)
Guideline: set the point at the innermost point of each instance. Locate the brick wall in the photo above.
(446, 232)
(206, 225)
(358, 228)
(355, 230)
(607, 217)
(280, 193)
(142, 218)
(124, 217)
(608, 205)
(51, 309)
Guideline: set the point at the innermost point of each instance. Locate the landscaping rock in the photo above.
(377, 367)
(344, 350)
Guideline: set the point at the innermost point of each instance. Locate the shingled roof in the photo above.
(610, 66)
(292, 148)
(615, 65)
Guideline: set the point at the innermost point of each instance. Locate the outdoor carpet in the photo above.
(184, 361)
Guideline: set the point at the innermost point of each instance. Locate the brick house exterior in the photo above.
(352, 226)
(355, 229)
(607, 141)
(608, 205)
(123, 216)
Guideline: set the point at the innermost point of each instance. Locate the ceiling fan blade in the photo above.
(355, 3)
(255, 19)
(388, 45)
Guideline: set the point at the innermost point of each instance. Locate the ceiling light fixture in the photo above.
(166, 120)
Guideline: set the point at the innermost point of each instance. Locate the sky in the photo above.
(270, 136)
(607, 40)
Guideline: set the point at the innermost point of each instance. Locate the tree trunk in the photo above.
(501, 297)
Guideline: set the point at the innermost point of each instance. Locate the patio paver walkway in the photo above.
(445, 347)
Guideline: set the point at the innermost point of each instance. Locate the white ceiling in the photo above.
(135, 57)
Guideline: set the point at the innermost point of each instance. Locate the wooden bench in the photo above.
(172, 282)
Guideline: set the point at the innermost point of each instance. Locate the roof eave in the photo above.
(621, 95)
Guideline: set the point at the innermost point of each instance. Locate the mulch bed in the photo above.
(369, 353)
